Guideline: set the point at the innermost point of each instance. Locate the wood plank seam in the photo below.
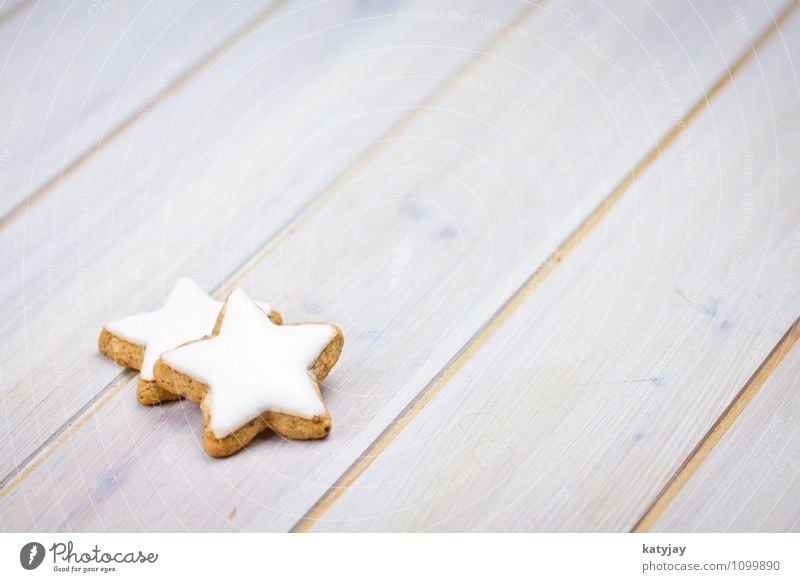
(65, 431)
(381, 145)
(482, 336)
(150, 103)
(52, 443)
(718, 430)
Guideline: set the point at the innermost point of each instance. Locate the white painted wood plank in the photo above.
(200, 184)
(72, 72)
(751, 480)
(411, 257)
(581, 408)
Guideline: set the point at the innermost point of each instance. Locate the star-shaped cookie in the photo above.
(138, 340)
(252, 375)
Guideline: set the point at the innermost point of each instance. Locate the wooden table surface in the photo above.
(562, 240)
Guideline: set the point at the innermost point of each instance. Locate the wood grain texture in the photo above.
(718, 431)
(750, 482)
(200, 184)
(584, 404)
(411, 255)
(74, 73)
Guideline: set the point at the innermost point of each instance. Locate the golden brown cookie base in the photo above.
(149, 393)
(178, 383)
(121, 351)
(292, 427)
(329, 356)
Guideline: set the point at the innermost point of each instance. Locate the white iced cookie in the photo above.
(252, 375)
(137, 341)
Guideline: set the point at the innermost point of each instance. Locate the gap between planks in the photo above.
(718, 430)
(65, 431)
(483, 335)
(50, 185)
(104, 396)
(311, 209)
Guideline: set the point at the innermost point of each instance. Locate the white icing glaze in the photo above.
(254, 366)
(188, 314)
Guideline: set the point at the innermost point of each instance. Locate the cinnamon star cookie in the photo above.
(252, 375)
